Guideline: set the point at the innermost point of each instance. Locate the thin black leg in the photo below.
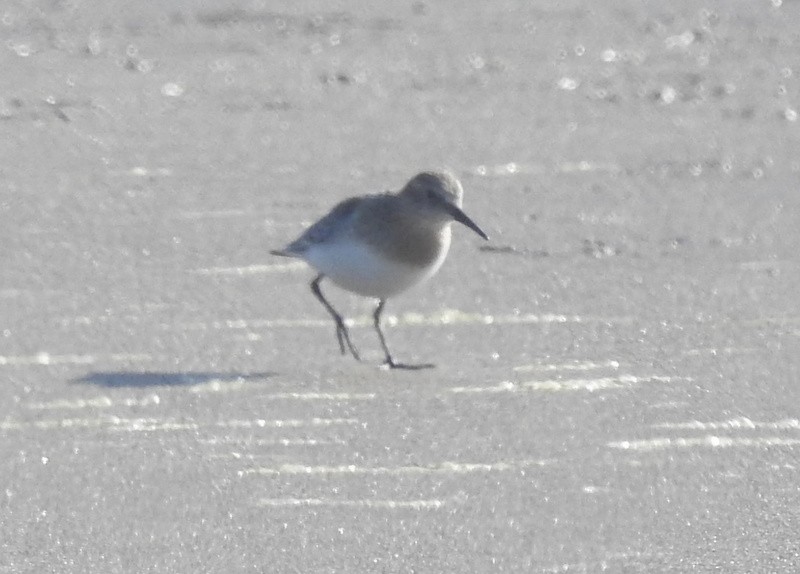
(377, 318)
(342, 334)
(390, 362)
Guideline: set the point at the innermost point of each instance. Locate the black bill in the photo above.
(462, 217)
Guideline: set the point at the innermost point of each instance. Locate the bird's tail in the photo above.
(282, 253)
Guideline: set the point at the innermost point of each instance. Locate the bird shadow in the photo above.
(118, 379)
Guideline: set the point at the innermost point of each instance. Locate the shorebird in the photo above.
(380, 245)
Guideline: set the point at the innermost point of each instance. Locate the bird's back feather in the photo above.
(323, 229)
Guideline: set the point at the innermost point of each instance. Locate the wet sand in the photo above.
(616, 381)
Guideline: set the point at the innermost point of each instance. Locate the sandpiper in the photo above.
(380, 245)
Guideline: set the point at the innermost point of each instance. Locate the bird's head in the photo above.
(438, 195)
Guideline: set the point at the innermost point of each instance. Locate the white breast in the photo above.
(355, 266)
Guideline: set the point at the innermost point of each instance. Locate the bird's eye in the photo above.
(430, 194)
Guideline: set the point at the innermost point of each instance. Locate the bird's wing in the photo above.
(326, 227)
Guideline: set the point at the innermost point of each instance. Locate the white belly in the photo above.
(356, 267)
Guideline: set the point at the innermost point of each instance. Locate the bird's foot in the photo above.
(390, 363)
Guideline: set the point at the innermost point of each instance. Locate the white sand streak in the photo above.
(320, 396)
(740, 423)
(364, 503)
(286, 423)
(253, 269)
(445, 317)
(224, 385)
(440, 468)
(714, 351)
(111, 422)
(708, 441)
(714, 441)
(156, 424)
(44, 358)
(94, 403)
(104, 402)
(554, 385)
(248, 442)
(240, 384)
